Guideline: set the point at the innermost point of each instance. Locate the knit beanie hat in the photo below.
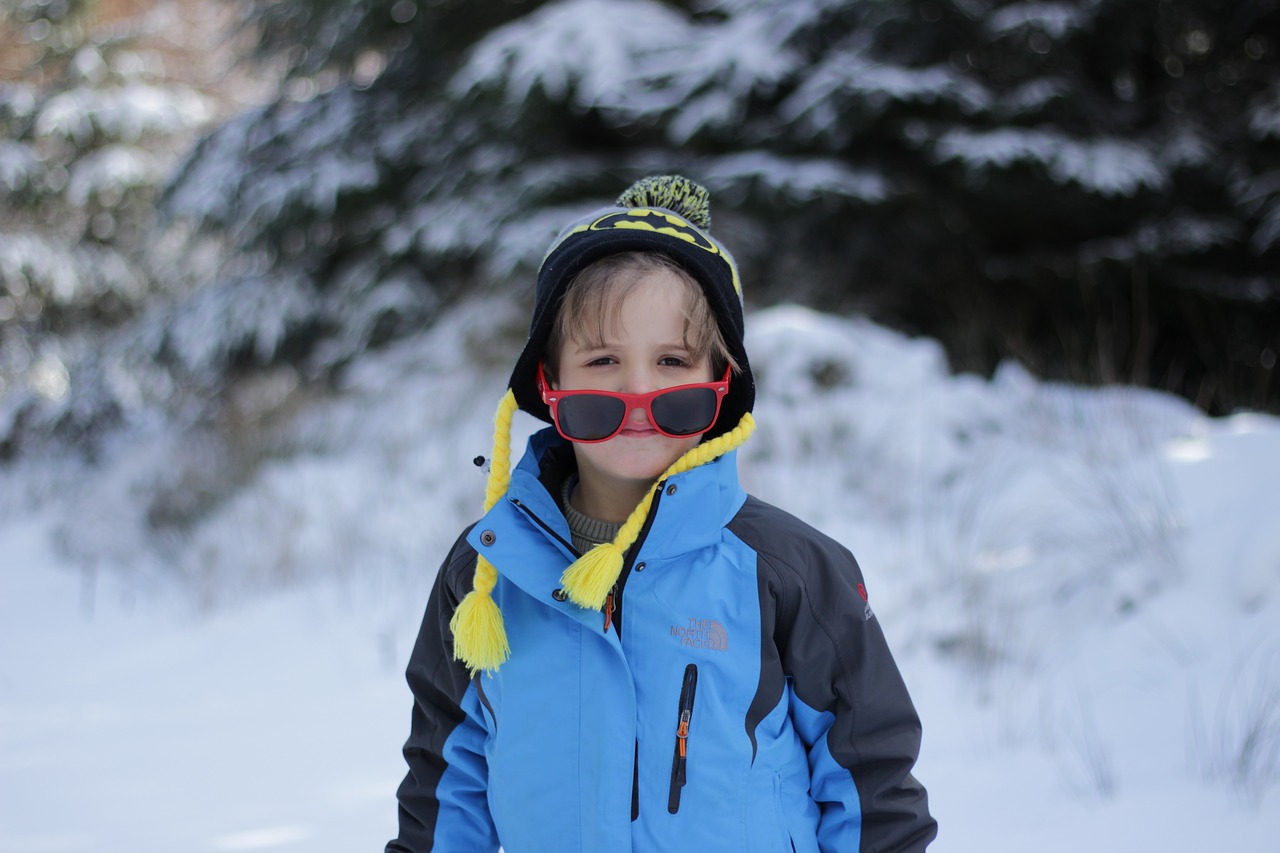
(669, 215)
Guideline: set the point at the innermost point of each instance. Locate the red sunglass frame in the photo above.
(632, 401)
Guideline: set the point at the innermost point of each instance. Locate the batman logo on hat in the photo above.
(641, 219)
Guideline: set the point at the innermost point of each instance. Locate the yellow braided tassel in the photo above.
(500, 456)
(479, 637)
(588, 580)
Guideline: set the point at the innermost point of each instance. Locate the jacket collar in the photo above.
(530, 542)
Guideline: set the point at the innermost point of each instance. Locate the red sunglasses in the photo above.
(591, 416)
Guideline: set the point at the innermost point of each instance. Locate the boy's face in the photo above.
(643, 351)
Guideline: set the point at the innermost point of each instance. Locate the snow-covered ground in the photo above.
(1080, 585)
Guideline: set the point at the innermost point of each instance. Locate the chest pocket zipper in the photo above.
(679, 760)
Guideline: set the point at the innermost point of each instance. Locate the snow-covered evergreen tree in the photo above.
(95, 109)
(1088, 186)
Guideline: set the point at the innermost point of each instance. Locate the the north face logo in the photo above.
(702, 634)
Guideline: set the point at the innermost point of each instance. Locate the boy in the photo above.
(744, 698)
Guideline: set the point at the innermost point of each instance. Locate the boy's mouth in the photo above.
(638, 429)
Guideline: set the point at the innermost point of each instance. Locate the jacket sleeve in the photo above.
(443, 801)
(849, 703)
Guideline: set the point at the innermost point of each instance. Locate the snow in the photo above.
(18, 100)
(247, 311)
(1264, 118)
(1173, 234)
(637, 59)
(798, 180)
(142, 728)
(224, 179)
(583, 43)
(1108, 167)
(129, 112)
(1080, 587)
(17, 163)
(1035, 95)
(1260, 195)
(853, 76)
(62, 276)
(109, 172)
(1055, 19)
(1268, 232)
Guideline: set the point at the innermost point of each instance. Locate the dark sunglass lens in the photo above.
(590, 417)
(685, 411)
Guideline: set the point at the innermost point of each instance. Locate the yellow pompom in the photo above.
(479, 637)
(588, 580)
(671, 192)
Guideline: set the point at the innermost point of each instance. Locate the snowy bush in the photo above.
(1238, 744)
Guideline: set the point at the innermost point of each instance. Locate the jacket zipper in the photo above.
(679, 759)
(613, 603)
(548, 528)
(635, 783)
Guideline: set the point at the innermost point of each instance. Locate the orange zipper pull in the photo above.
(608, 611)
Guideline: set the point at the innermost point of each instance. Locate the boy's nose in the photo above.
(639, 382)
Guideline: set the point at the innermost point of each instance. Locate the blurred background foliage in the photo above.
(198, 194)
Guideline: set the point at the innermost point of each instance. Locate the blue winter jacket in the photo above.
(745, 700)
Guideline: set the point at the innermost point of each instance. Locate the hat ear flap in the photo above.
(479, 635)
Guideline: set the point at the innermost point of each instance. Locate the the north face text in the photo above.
(702, 634)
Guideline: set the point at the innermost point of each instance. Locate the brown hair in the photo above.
(595, 297)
